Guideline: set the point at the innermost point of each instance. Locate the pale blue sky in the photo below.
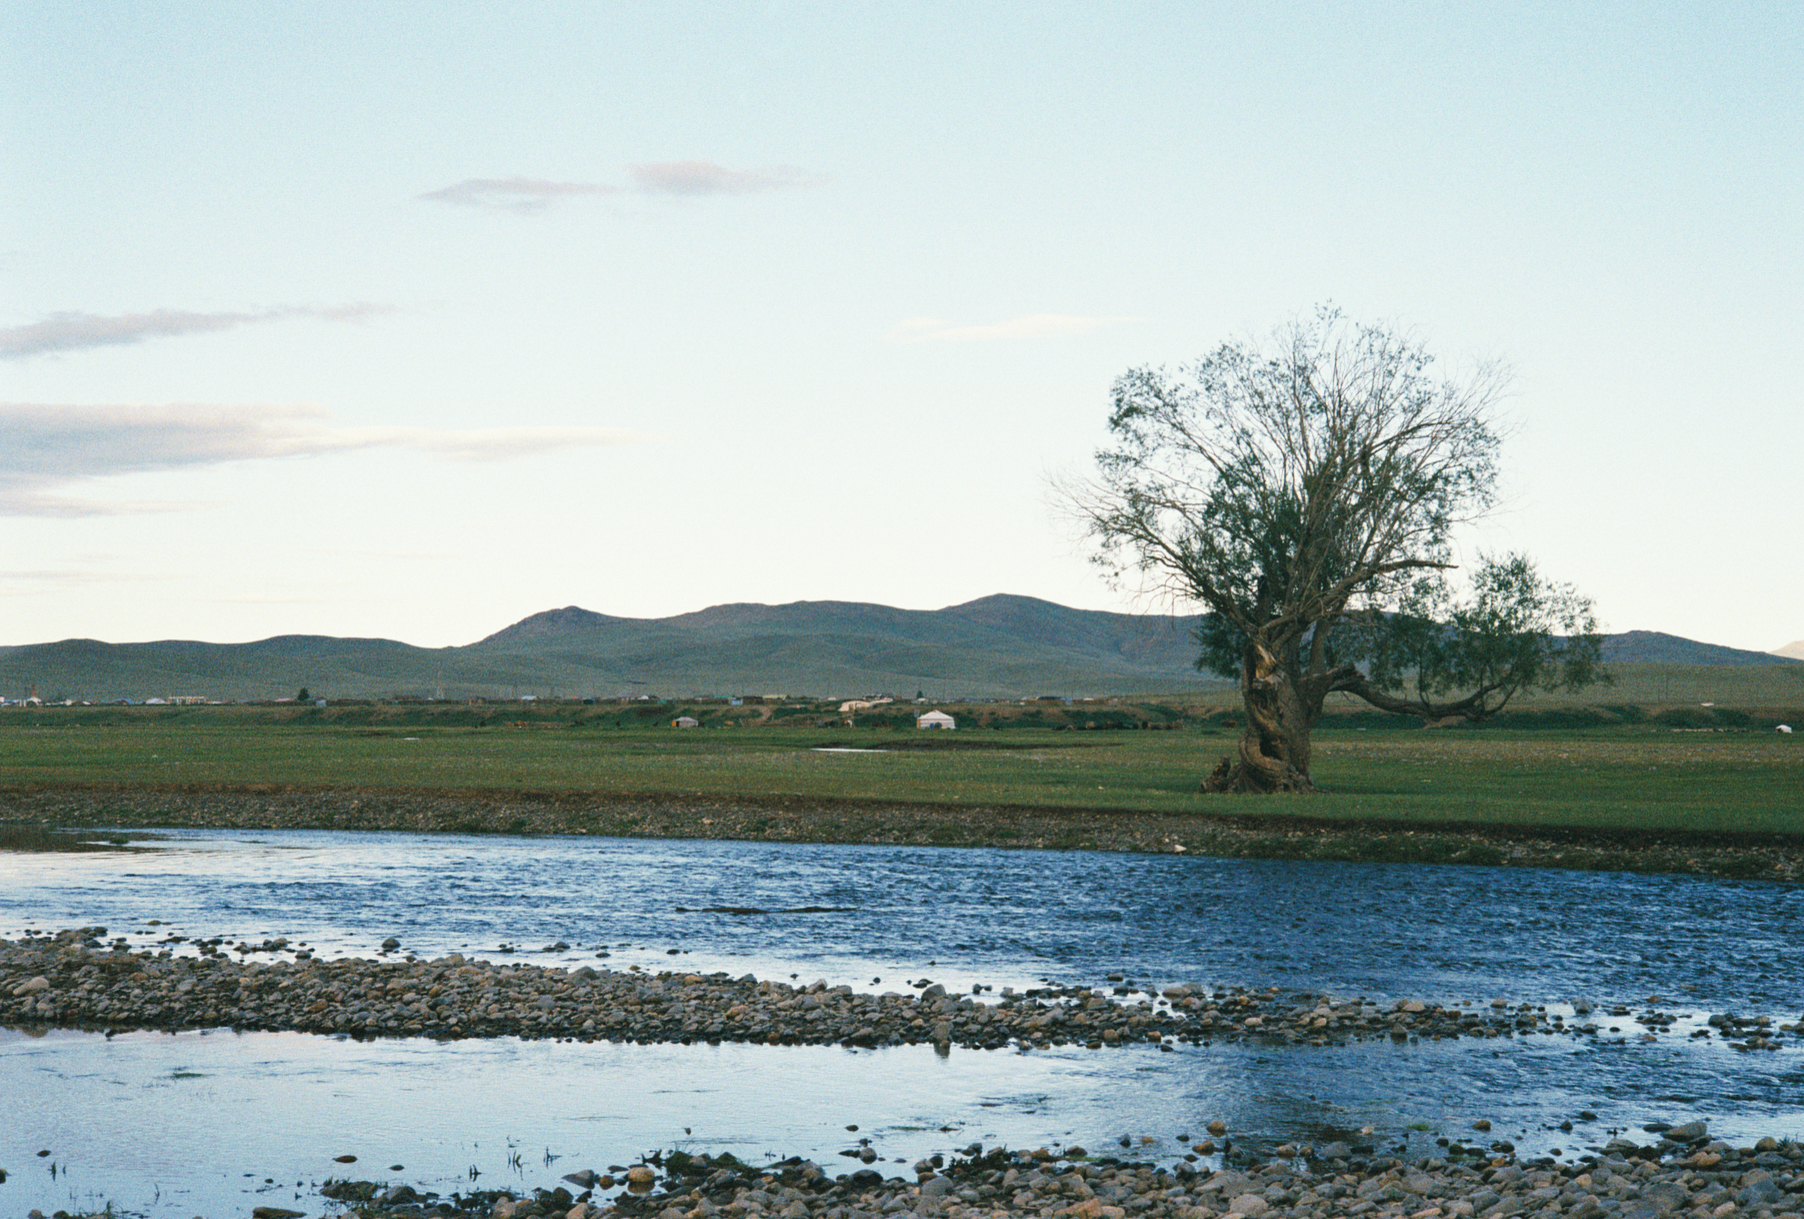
(789, 301)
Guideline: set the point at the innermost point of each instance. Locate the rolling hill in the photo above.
(995, 646)
(1652, 647)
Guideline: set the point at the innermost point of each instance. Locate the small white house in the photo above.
(685, 721)
(936, 719)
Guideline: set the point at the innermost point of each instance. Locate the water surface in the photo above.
(212, 1123)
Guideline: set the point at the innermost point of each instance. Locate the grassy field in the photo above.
(1626, 777)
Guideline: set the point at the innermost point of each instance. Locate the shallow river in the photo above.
(212, 1123)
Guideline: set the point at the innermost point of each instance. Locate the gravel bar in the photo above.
(75, 978)
(1684, 1174)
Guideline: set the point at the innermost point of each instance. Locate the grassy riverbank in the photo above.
(1634, 797)
(1623, 779)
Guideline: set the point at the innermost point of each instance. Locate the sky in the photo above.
(410, 320)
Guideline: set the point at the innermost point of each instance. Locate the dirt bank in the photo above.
(800, 819)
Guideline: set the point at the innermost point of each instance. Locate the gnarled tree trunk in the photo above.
(1274, 746)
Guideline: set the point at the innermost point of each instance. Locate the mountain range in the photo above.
(995, 646)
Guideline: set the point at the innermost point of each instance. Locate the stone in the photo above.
(1759, 1193)
(31, 986)
(390, 944)
(1690, 1132)
(936, 1187)
(1665, 1197)
(1249, 1204)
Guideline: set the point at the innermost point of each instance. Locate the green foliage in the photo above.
(1276, 484)
(1512, 631)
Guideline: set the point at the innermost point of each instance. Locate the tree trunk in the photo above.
(1274, 746)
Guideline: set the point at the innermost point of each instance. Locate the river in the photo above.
(201, 1123)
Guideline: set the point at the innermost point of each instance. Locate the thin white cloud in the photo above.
(707, 178)
(530, 196)
(46, 448)
(526, 195)
(77, 331)
(1030, 326)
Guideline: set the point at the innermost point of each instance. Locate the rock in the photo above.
(640, 1175)
(1218, 1127)
(1249, 1205)
(1689, 1132)
(1759, 1193)
(1483, 1123)
(31, 986)
(1334, 1151)
(390, 944)
(936, 1187)
(585, 1178)
(1665, 1197)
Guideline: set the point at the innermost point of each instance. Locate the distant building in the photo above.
(685, 721)
(936, 719)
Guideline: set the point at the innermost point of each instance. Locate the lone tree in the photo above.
(1304, 492)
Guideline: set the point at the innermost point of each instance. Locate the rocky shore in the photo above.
(800, 819)
(77, 978)
(1682, 1174)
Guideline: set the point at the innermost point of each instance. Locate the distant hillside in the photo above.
(1794, 650)
(1651, 647)
(1000, 646)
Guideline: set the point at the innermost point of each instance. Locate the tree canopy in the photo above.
(1304, 490)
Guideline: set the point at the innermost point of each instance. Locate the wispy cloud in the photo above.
(76, 331)
(707, 178)
(1030, 326)
(46, 448)
(526, 195)
(529, 196)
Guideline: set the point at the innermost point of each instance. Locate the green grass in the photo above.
(1643, 777)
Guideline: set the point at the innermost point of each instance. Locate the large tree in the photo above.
(1304, 491)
